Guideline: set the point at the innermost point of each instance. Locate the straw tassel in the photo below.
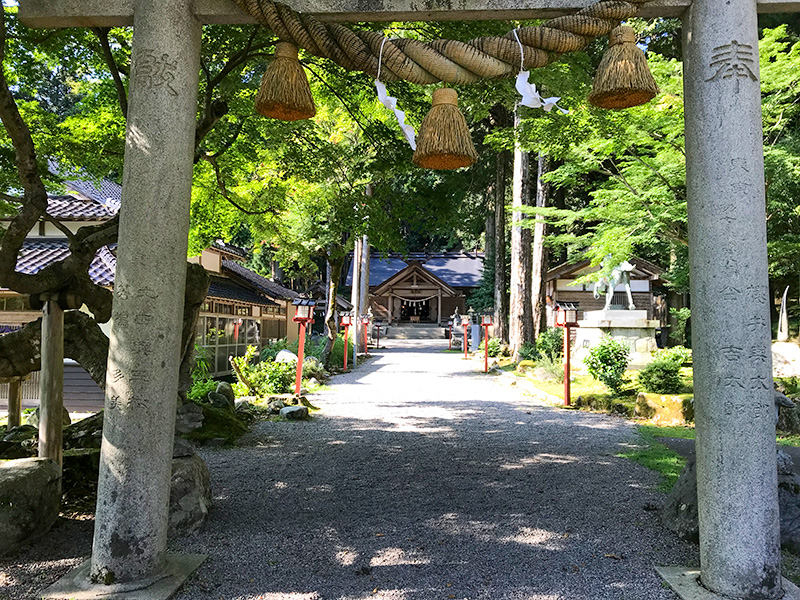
(623, 79)
(444, 140)
(284, 93)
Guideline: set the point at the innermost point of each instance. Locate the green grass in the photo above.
(656, 456)
(687, 433)
(684, 432)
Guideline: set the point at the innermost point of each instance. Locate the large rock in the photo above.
(190, 495)
(30, 499)
(286, 356)
(665, 409)
(226, 389)
(33, 418)
(294, 412)
(86, 433)
(785, 359)
(679, 512)
(188, 418)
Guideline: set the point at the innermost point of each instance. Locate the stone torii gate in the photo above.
(736, 465)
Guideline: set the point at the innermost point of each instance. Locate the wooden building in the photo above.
(242, 307)
(420, 287)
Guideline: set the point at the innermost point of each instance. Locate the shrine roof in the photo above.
(270, 288)
(222, 287)
(37, 253)
(456, 269)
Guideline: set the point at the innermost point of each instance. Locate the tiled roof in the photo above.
(230, 248)
(272, 289)
(70, 208)
(37, 253)
(456, 269)
(222, 287)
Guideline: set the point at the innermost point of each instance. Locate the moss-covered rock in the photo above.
(220, 425)
(665, 409)
(605, 403)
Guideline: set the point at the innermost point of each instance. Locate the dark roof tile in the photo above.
(271, 288)
(37, 253)
(222, 287)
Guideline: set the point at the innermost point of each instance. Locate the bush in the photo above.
(677, 355)
(528, 352)
(271, 378)
(552, 366)
(662, 376)
(494, 347)
(265, 377)
(550, 343)
(607, 363)
(201, 378)
(199, 390)
(270, 351)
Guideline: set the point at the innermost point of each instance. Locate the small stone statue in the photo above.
(606, 284)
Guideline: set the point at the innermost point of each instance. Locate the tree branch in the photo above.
(122, 97)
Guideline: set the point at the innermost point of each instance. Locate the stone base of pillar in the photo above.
(75, 585)
(686, 583)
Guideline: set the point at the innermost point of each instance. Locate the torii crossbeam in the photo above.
(736, 464)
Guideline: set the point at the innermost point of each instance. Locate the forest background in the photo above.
(590, 183)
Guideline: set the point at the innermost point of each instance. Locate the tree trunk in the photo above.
(521, 311)
(500, 297)
(331, 327)
(539, 254)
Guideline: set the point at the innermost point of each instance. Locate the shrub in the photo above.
(199, 390)
(677, 355)
(607, 362)
(265, 377)
(550, 343)
(681, 316)
(494, 347)
(528, 352)
(662, 376)
(271, 378)
(201, 378)
(270, 351)
(552, 366)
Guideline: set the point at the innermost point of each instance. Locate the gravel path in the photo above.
(423, 479)
(420, 479)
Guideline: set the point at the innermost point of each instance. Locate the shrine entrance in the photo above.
(736, 460)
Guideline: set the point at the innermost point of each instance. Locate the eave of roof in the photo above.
(227, 289)
(270, 288)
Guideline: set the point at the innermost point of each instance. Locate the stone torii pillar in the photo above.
(737, 488)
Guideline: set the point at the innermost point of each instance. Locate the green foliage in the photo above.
(661, 376)
(494, 347)
(677, 354)
(550, 343)
(199, 390)
(528, 351)
(266, 377)
(607, 362)
(270, 351)
(681, 316)
(553, 365)
(201, 377)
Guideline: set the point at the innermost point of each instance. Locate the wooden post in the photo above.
(15, 402)
(51, 382)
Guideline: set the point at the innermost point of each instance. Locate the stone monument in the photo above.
(631, 326)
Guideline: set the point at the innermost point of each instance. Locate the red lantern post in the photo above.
(566, 317)
(486, 321)
(347, 320)
(365, 324)
(304, 315)
(466, 321)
